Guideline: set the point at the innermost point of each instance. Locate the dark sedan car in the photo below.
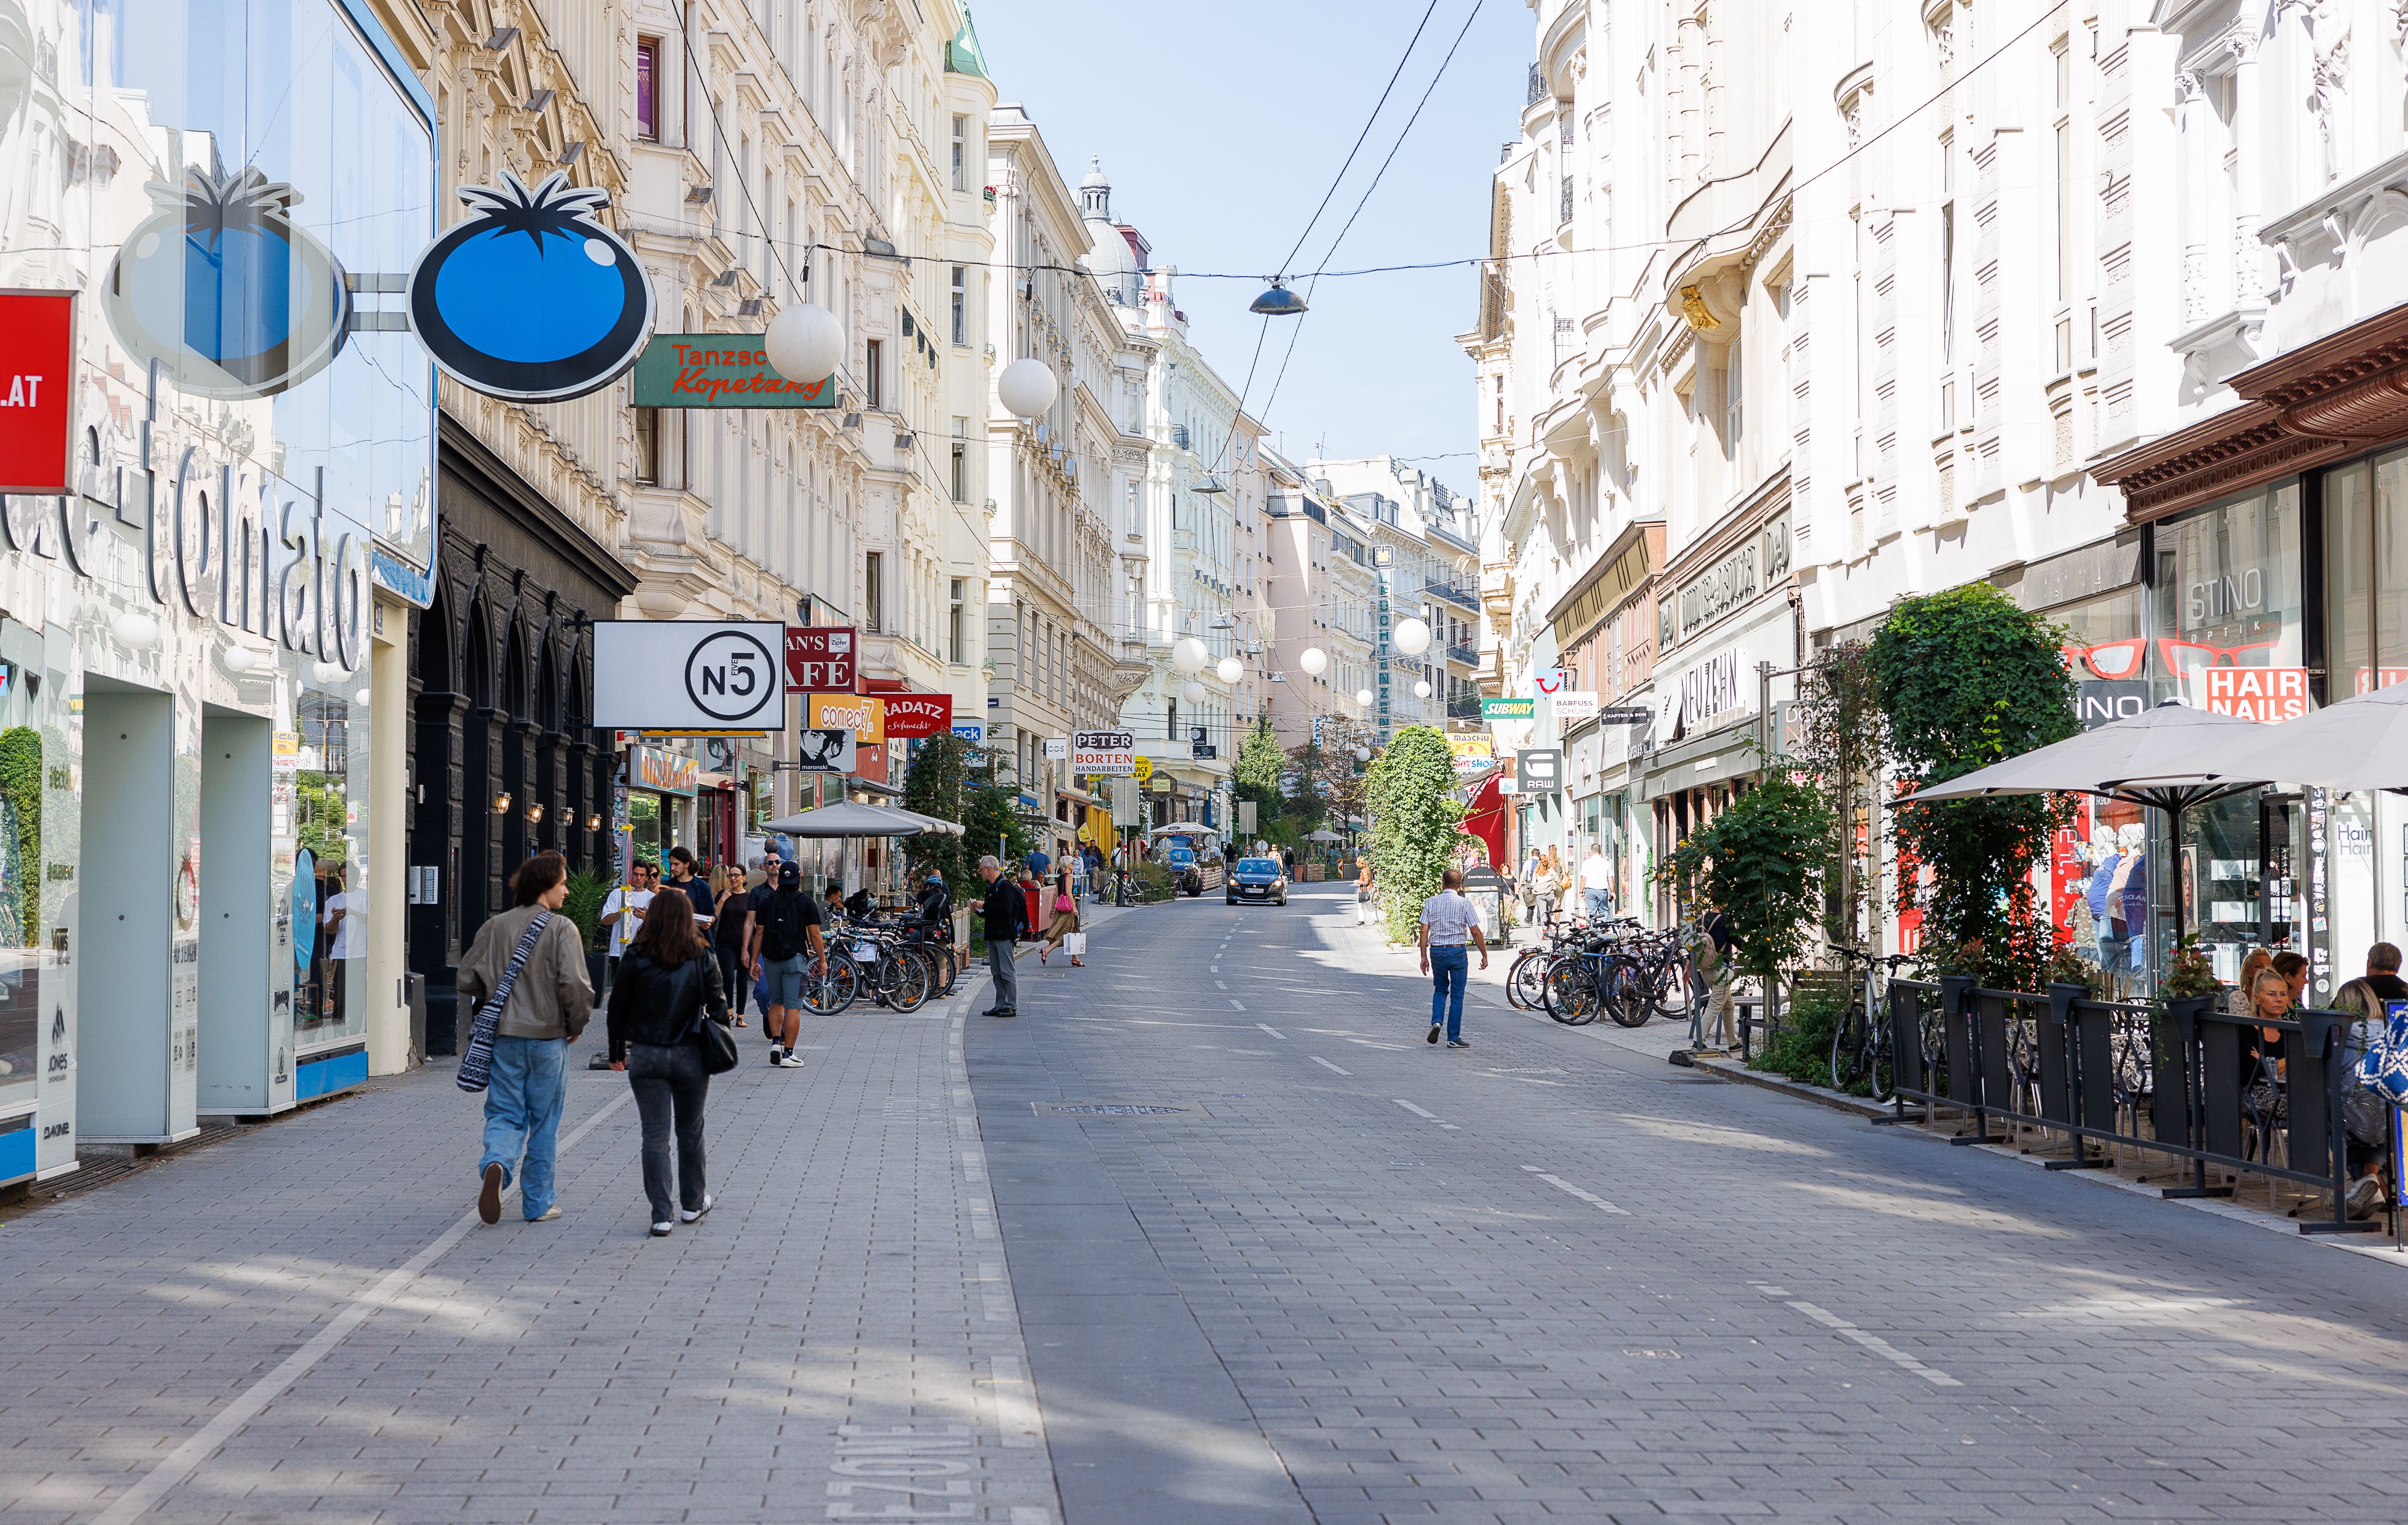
(1257, 878)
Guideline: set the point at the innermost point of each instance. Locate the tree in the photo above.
(934, 787)
(990, 821)
(1966, 678)
(1327, 783)
(1415, 820)
(1763, 863)
(1840, 743)
(1259, 767)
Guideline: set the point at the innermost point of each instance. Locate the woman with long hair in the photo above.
(668, 985)
(1065, 920)
(731, 932)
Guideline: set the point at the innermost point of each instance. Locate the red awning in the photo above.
(1485, 818)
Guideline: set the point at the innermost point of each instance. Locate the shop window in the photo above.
(648, 100)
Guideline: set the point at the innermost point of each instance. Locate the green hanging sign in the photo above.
(720, 370)
(1508, 709)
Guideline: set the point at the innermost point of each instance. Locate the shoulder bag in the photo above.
(717, 1042)
(477, 1064)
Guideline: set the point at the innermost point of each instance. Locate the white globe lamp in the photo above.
(1362, 754)
(1413, 637)
(238, 659)
(1026, 387)
(1194, 694)
(1422, 689)
(1363, 697)
(327, 671)
(1231, 669)
(1314, 660)
(136, 630)
(805, 343)
(1189, 655)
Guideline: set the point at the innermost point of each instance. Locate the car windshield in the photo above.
(1258, 866)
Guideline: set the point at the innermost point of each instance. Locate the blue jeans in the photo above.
(1599, 902)
(523, 1107)
(1450, 970)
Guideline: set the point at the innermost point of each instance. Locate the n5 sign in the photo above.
(687, 674)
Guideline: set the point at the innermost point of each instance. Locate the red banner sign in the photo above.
(819, 659)
(2264, 694)
(37, 355)
(912, 716)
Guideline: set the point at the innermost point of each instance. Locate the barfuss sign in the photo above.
(685, 675)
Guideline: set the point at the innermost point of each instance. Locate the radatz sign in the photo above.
(911, 717)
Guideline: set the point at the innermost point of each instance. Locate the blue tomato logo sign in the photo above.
(224, 290)
(530, 298)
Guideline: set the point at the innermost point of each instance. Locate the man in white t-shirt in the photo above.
(334, 931)
(624, 914)
(1596, 883)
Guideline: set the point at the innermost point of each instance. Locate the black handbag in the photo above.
(717, 1041)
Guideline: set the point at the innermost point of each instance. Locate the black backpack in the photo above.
(785, 923)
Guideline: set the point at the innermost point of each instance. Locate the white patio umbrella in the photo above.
(2158, 758)
(932, 825)
(847, 819)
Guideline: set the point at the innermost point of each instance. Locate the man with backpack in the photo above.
(785, 932)
(2367, 1128)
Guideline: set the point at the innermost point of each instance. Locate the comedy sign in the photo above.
(687, 674)
(863, 714)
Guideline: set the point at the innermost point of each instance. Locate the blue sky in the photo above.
(1221, 126)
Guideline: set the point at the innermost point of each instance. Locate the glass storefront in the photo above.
(221, 194)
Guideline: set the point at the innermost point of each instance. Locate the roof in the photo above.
(962, 55)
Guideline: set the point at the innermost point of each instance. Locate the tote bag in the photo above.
(477, 1064)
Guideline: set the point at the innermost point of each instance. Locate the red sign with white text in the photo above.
(37, 354)
(819, 659)
(2264, 694)
(912, 716)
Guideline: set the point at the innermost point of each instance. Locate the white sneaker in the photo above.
(777, 1055)
(689, 1215)
(661, 1231)
(785, 1060)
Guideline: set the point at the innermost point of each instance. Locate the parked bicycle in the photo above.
(1860, 1046)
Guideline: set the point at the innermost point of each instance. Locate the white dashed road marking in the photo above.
(1875, 1343)
(1415, 1110)
(1272, 1031)
(1238, 1004)
(1590, 1197)
(1327, 1066)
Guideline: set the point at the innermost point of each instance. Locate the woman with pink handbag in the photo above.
(1065, 926)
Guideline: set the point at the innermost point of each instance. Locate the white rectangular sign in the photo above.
(827, 749)
(688, 675)
(1056, 747)
(1576, 707)
(1110, 754)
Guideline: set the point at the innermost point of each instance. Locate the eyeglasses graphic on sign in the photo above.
(2109, 659)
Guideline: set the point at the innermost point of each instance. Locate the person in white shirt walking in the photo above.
(1448, 923)
(623, 914)
(1596, 883)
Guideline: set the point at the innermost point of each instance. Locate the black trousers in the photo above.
(670, 1084)
(731, 977)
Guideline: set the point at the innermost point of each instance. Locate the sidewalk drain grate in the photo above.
(1119, 1110)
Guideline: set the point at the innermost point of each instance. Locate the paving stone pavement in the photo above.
(836, 1340)
(1351, 1278)
(1550, 1277)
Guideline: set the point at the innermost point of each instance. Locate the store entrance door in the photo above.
(246, 1030)
(135, 1069)
(2279, 821)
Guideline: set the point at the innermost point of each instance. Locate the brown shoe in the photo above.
(489, 1200)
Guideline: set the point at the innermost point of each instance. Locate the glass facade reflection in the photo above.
(231, 190)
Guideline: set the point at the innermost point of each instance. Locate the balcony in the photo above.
(1538, 87)
(1461, 597)
(1467, 708)
(1468, 655)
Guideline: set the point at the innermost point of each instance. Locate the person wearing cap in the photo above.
(785, 932)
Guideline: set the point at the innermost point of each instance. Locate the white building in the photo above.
(1425, 565)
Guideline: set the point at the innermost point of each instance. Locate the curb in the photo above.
(1734, 1072)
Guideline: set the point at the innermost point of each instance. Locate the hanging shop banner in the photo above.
(1540, 770)
(1056, 749)
(37, 355)
(2265, 694)
(531, 297)
(820, 658)
(720, 370)
(687, 674)
(973, 731)
(1472, 751)
(1570, 707)
(1492, 710)
(1549, 681)
(911, 717)
(830, 750)
(1110, 754)
(863, 714)
(663, 772)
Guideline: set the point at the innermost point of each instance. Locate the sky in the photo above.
(1221, 127)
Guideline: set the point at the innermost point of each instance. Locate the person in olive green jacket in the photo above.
(548, 1006)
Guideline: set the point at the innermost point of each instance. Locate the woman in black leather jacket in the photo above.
(668, 984)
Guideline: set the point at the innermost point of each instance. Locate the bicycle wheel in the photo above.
(1571, 995)
(1627, 993)
(907, 983)
(941, 969)
(829, 990)
(1526, 987)
(1847, 1048)
(1673, 996)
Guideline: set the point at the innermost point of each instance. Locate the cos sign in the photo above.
(679, 675)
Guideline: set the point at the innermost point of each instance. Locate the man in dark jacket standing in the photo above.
(1004, 914)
